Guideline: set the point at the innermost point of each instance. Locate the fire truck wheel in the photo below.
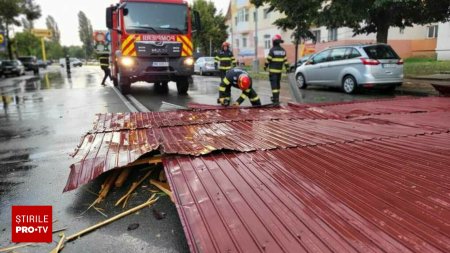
(115, 81)
(183, 85)
(124, 85)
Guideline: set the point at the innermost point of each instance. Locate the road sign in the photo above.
(42, 33)
(2, 41)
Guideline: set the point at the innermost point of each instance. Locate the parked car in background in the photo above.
(30, 63)
(42, 64)
(14, 67)
(205, 65)
(352, 67)
(299, 62)
(74, 62)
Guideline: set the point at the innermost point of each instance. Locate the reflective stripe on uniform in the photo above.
(221, 88)
(248, 90)
(254, 99)
(225, 67)
(225, 81)
(278, 59)
(269, 57)
(225, 58)
(275, 70)
(243, 96)
(275, 91)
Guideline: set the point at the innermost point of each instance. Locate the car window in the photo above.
(321, 57)
(337, 54)
(209, 59)
(200, 61)
(381, 52)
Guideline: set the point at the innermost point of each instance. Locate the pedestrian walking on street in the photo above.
(68, 65)
(224, 60)
(240, 79)
(275, 61)
(104, 64)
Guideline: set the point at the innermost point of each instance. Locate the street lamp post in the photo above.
(256, 61)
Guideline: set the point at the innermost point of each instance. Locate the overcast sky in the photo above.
(65, 13)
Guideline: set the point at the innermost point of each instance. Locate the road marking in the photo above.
(174, 105)
(130, 107)
(137, 104)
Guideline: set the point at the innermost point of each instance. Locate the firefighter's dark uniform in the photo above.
(231, 79)
(104, 64)
(225, 61)
(275, 62)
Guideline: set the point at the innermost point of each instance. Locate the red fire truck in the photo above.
(151, 40)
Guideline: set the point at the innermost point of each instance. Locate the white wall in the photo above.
(443, 42)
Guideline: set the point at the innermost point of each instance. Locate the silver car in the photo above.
(352, 67)
(205, 65)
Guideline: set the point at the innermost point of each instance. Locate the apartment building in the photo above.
(417, 41)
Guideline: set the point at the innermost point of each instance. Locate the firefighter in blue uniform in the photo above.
(275, 62)
(224, 60)
(240, 79)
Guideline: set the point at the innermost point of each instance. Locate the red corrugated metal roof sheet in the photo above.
(354, 177)
(387, 195)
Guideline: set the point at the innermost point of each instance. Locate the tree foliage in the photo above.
(53, 26)
(85, 31)
(214, 28)
(27, 44)
(376, 16)
(299, 15)
(10, 12)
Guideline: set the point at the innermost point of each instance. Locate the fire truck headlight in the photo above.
(189, 61)
(127, 61)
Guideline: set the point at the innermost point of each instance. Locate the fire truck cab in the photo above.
(151, 41)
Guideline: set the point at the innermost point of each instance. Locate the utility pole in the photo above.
(256, 61)
(210, 47)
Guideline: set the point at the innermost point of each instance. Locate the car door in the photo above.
(315, 66)
(335, 64)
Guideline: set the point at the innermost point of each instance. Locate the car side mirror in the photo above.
(197, 25)
(310, 62)
(109, 17)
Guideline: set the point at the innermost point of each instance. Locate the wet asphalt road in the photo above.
(41, 122)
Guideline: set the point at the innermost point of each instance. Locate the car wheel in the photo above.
(349, 84)
(301, 82)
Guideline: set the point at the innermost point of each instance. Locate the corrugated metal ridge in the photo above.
(126, 121)
(389, 195)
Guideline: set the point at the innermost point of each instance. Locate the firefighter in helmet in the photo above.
(224, 60)
(240, 79)
(103, 58)
(275, 62)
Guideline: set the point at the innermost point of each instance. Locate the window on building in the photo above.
(242, 15)
(332, 34)
(235, 20)
(433, 31)
(266, 13)
(316, 34)
(237, 43)
(267, 41)
(244, 42)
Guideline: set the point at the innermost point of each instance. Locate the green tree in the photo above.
(9, 12)
(377, 16)
(31, 10)
(27, 44)
(53, 26)
(214, 28)
(85, 32)
(299, 16)
(54, 50)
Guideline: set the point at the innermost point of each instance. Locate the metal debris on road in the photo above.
(366, 176)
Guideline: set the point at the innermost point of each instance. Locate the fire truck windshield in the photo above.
(156, 18)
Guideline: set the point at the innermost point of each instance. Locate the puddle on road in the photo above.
(14, 164)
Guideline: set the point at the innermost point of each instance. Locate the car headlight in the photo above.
(189, 61)
(127, 61)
